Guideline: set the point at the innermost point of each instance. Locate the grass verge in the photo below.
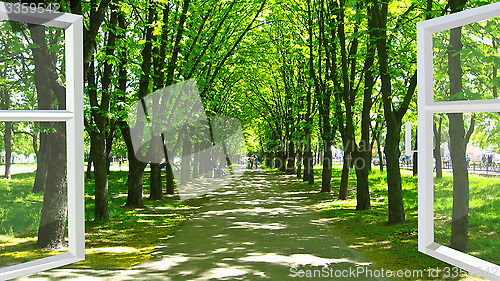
(392, 247)
(129, 236)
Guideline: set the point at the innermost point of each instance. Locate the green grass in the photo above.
(393, 247)
(19, 207)
(128, 238)
(20, 211)
(484, 219)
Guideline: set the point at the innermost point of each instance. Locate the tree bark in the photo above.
(101, 177)
(55, 204)
(308, 162)
(196, 160)
(395, 192)
(168, 169)
(88, 173)
(458, 143)
(415, 156)
(156, 191)
(290, 165)
(344, 179)
(363, 150)
(437, 149)
(51, 231)
(186, 160)
(42, 161)
(135, 170)
(326, 175)
(299, 161)
(155, 180)
(7, 138)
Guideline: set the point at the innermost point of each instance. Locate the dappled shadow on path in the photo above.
(259, 227)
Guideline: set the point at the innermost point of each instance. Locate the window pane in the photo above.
(467, 183)
(479, 61)
(32, 67)
(34, 199)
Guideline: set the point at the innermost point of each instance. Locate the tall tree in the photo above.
(99, 126)
(393, 113)
(458, 142)
(54, 209)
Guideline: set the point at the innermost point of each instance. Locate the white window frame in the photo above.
(73, 117)
(426, 108)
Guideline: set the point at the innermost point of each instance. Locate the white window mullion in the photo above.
(35, 115)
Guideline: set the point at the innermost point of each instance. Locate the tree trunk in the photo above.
(437, 149)
(269, 159)
(135, 175)
(101, 211)
(395, 192)
(458, 144)
(186, 160)
(42, 162)
(226, 156)
(415, 157)
(344, 179)
(362, 185)
(308, 159)
(290, 165)
(380, 156)
(168, 168)
(155, 181)
(326, 175)
(196, 160)
(7, 137)
(280, 161)
(299, 161)
(460, 212)
(169, 173)
(156, 185)
(88, 173)
(109, 144)
(135, 171)
(362, 166)
(55, 201)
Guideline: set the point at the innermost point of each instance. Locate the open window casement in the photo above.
(434, 99)
(69, 117)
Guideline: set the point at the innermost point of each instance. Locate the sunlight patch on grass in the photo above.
(18, 250)
(114, 258)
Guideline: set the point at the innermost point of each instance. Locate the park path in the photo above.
(257, 228)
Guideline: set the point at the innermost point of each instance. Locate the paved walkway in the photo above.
(258, 228)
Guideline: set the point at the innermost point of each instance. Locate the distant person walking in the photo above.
(251, 162)
(256, 159)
